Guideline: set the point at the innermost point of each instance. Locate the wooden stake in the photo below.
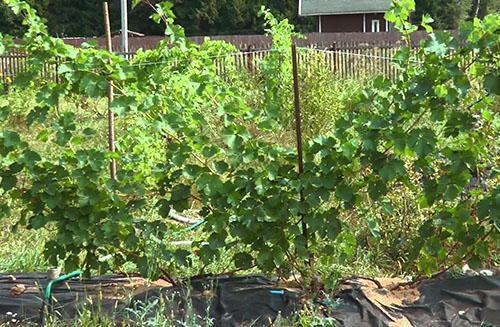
(298, 130)
(111, 116)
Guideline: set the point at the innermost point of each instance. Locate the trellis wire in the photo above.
(349, 61)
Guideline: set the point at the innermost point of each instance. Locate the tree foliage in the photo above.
(85, 18)
(447, 14)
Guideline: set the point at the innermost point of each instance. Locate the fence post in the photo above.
(57, 71)
(250, 59)
(334, 49)
(2, 70)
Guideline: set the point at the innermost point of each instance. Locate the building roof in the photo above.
(337, 7)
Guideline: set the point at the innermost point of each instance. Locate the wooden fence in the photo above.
(346, 60)
(354, 54)
(262, 42)
(355, 61)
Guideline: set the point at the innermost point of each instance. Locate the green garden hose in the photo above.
(48, 290)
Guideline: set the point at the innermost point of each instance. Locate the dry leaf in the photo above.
(17, 289)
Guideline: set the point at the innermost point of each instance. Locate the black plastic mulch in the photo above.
(469, 301)
(253, 301)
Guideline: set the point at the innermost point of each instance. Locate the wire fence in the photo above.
(347, 60)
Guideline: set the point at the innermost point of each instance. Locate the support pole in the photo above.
(298, 129)
(124, 34)
(111, 116)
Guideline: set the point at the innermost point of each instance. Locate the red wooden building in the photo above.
(339, 16)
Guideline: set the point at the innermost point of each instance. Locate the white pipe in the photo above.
(364, 23)
(320, 29)
(185, 220)
(387, 26)
(124, 34)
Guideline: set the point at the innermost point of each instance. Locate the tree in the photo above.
(211, 17)
(11, 24)
(447, 14)
(199, 17)
(80, 18)
(481, 8)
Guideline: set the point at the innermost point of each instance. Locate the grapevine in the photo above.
(192, 139)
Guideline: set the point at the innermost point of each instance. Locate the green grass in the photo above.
(22, 251)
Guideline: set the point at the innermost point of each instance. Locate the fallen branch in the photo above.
(353, 279)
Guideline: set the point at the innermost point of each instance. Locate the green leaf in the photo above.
(422, 141)
(344, 192)
(430, 192)
(65, 68)
(164, 207)
(93, 85)
(492, 83)
(88, 132)
(182, 257)
(4, 113)
(441, 90)
(426, 21)
(332, 224)
(392, 169)
(135, 3)
(376, 188)
(301, 247)
(459, 122)
(180, 192)
(278, 256)
(374, 228)
(437, 44)
(192, 171)
(37, 114)
(38, 222)
(348, 149)
(243, 260)
(233, 141)
(8, 182)
(388, 208)
(209, 151)
(30, 158)
(123, 104)
(4, 210)
(390, 16)
(11, 139)
(221, 167)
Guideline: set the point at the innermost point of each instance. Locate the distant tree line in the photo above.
(449, 14)
(211, 17)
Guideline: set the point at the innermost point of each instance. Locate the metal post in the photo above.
(111, 116)
(124, 34)
(298, 129)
